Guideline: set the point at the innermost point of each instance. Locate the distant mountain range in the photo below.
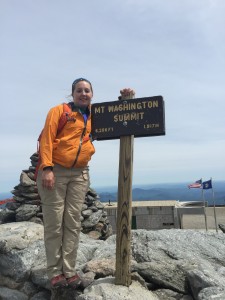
(166, 191)
(170, 191)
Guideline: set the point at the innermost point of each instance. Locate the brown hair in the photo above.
(78, 80)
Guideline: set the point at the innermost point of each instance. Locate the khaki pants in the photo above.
(61, 209)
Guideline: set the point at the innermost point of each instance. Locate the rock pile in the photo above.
(26, 206)
(168, 264)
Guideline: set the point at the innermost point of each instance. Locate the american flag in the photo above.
(196, 185)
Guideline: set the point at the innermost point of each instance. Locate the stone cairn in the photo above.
(26, 206)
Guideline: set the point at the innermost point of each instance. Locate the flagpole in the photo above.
(203, 197)
(214, 205)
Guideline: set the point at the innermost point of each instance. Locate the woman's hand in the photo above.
(127, 92)
(48, 179)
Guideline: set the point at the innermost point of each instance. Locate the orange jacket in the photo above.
(72, 147)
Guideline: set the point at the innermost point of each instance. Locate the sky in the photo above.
(171, 48)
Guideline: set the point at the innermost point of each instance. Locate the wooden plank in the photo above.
(124, 211)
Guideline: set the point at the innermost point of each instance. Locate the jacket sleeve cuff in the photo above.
(48, 168)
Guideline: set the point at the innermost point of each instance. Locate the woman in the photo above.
(63, 181)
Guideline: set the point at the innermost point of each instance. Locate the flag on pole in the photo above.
(196, 185)
(207, 184)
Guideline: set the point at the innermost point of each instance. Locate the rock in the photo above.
(32, 169)
(84, 207)
(15, 192)
(26, 212)
(92, 220)
(93, 208)
(9, 283)
(222, 227)
(39, 276)
(94, 234)
(21, 246)
(29, 289)
(179, 260)
(137, 277)
(65, 294)
(107, 231)
(31, 175)
(164, 274)
(34, 157)
(32, 196)
(32, 202)
(27, 189)
(9, 294)
(12, 206)
(87, 279)
(43, 295)
(104, 214)
(106, 249)
(19, 199)
(86, 213)
(99, 227)
(207, 276)
(25, 180)
(86, 250)
(102, 268)
(92, 193)
(105, 289)
(212, 293)
(36, 220)
(99, 205)
(165, 294)
(102, 219)
(7, 215)
(89, 200)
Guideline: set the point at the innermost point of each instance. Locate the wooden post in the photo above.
(124, 209)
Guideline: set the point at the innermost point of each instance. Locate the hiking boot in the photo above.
(74, 281)
(58, 281)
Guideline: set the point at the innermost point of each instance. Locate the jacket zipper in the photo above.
(81, 140)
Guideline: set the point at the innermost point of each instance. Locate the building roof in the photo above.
(151, 203)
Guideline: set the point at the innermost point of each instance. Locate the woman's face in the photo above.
(82, 94)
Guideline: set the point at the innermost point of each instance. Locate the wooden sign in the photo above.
(139, 117)
(126, 119)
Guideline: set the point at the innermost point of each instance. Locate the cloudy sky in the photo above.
(171, 48)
